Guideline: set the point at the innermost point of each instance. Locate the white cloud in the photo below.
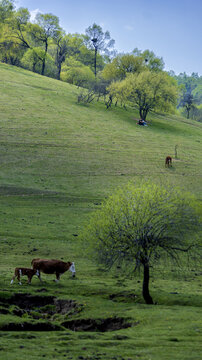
(33, 14)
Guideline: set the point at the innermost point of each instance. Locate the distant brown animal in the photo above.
(21, 271)
(52, 266)
(168, 161)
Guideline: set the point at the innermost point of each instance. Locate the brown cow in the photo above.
(53, 266)
(21, 271)
(168, 161)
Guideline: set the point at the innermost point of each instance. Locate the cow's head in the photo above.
(72, 269)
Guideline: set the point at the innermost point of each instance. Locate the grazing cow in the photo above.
(52, 266)
(21, 271)
(168, 161)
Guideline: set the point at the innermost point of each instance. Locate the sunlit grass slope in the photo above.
(49, 142)
(58, 161)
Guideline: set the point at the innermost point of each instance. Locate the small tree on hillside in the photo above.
(188, 102)
(187, 99)
(33, 59)
(138, 225)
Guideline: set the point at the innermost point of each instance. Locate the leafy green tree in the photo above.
(98, 41)
(119, 91)
(19, 24)
(86, 56)
(46, 28)
(74, 72)
(123, 65)
(188, 102)
(99, 87)
(153, 62)
(78, 50)
(6, 10)
(187, 99)
(139, 225)
(150, 91)
(11, 49)
(33, 59)
(62, 50)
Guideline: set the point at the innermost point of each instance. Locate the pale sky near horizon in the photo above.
(172, 29)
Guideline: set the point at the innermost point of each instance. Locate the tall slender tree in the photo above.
(98, 41)
(48, 27)
(20, 26)
(61, 51)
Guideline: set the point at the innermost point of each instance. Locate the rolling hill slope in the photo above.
(49, 142)
(59, 160)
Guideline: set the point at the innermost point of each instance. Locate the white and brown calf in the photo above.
(21, 271)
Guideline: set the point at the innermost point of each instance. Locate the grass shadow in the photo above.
(177, 298)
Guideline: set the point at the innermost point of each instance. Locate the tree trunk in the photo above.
(145, 288)
(142, 114)
(58, 70)
(34, 67)
(58, 61)
(95, 62)
(43, 67)
(44, 59)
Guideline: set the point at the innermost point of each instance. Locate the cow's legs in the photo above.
(17, 273)
(18, 276)
(13, 278)
(39, 275)
(57, 277)
(29, 279)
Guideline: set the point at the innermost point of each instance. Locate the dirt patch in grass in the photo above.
(38, 307)
(102, 325)
(99, 325)
(44, 308)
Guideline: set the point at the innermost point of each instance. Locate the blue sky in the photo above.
(170, 28)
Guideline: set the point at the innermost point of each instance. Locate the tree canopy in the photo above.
(123, 65)
(148, 91)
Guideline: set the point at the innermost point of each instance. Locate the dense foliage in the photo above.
(190, 99)
(147, 90)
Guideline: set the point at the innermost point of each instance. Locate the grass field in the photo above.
(59, 160)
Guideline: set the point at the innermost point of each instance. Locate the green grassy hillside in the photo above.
(59, 160)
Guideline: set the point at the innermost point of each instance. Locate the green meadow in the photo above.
(58, 161)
